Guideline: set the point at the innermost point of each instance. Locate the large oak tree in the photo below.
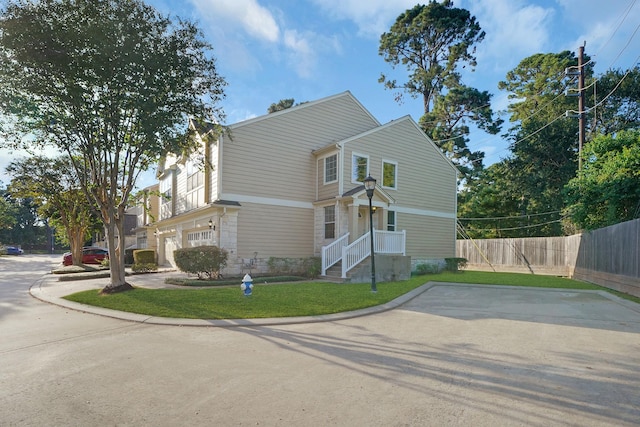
(110, 83)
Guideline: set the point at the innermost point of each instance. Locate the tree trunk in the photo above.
(76, 242)
(113, 227)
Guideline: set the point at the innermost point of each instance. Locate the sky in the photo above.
(268, 50)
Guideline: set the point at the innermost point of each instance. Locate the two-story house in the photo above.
(290, 184)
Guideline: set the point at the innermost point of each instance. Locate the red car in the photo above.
(90, 255)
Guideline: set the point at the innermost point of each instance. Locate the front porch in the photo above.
(349, 256)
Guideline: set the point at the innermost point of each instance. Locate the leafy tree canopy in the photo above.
(53, 185)
(543, 149)
(111, 84)
(433, 41)
(607, 190)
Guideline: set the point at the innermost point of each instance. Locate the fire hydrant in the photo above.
(247, 285)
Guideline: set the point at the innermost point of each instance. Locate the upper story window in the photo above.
(165, 199)
(331, 169)
(359, 167)
(389, 174)
(195, 177)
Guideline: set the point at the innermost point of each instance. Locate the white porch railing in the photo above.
(385, 242)
(332, 253)
(390, 242)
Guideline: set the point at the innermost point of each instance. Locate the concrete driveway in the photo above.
(455, 355)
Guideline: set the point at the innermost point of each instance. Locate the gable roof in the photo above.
(396, 122)
(346, 94)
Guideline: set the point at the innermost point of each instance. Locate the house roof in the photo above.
(408, 119)
(225, 203)
(310, 104)
(357, 191)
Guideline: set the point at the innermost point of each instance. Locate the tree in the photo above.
(618, 96)
(53, 184)
(20, 222)
(607, 189)
(283, 104)
(8, 215)
(111, 84)
(433, 41)
(528, 185)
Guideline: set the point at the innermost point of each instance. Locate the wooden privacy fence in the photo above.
(608, 256)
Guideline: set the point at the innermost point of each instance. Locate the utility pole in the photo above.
(581, 112)
(581, 108)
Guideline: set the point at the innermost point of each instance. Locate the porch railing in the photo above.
(385, 242)
(332, 253)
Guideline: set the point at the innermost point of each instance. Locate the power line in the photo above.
(508, 217)
(527, 226)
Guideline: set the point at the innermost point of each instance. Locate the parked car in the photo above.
(90, 255)
(13, 250)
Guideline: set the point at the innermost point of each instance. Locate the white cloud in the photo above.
(255, 19)
(372, 18)
(513, 31)
(302, 57)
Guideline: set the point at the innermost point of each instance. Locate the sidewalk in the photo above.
(49, 289)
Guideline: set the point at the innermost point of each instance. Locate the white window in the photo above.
(141, 241)
(331, 169)
(329, 222)
(389, 174)
(391, 221)
(195, 186)
(165, 192)
(359, 167)
(195, 177)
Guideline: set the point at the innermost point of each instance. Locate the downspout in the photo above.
(340, 189)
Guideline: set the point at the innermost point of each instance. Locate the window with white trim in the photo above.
(329, 222)
(389, 174)
(195, 186)
(165, 199)
(359, 167)
(391, 221)
(331, 169)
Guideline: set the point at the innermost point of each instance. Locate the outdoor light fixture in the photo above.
(369, 186)
(210, 223)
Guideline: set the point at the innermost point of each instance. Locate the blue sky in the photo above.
(269, 50)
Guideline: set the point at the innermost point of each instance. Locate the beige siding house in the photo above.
(290, 185)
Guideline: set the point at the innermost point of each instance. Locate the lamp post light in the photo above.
(370, 185)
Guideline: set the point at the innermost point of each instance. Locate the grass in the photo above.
(297, 299)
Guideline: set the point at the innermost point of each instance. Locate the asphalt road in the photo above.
(455, 355)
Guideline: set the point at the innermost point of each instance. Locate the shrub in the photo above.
(205, 261)
(144, 261)
(422, 269)
(307, 267)
(455, 264)
(144, 256)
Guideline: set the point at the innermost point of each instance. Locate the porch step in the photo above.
(334, 274)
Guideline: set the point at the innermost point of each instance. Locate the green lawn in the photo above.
(295, 299)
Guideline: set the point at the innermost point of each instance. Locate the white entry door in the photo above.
(170, 245)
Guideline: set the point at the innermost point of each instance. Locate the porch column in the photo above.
(353, 223)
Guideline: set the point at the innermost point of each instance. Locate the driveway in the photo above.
(455, 355)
